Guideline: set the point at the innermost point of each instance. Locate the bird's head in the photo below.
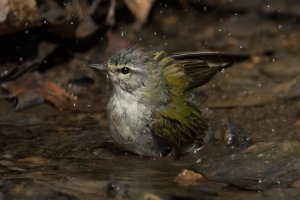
(130, 69)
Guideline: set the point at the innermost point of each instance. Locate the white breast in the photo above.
(129, 122)
(127, 116)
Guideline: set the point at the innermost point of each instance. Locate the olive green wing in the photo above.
(202, 66)
(179, 124)
(198, 67)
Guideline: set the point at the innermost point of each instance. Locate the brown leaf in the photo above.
(86, 28)
(72, 20)
(32, 89)
(15, 15)
(188, 177)
(110, 17)
(140, 9)
(296, 184)
(4, 10)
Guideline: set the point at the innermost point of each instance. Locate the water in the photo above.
(48, 153)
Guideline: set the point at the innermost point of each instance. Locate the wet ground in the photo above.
(48, 153)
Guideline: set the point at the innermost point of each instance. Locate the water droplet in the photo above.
(273, 130)
(26, 31)
(45, 21)
(259, 85)
(72, 22)
(155, 33)
(204, 8)
(4, 73)
(160, 12)
(241, 46)
(122, 34)
(220, 30)
(273, 60)
(20, 59)
(279, 26)
(268, 6)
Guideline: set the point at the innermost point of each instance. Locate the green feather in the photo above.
(179, 122)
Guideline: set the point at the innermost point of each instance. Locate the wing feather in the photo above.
(180, 126)
(195, 68)
(179, 122)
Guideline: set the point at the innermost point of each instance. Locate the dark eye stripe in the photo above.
(124, 70)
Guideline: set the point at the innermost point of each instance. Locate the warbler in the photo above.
(149, 111)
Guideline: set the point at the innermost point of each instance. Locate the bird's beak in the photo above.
(98, 66)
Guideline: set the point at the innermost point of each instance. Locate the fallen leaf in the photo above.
(32, 89)
(86, 28)
(188, 177)
(13, 70)
(4, 10)
(296, 184)
(140, 9)
(71, 20)
(110, 17)
(16, 15)
(149, 196)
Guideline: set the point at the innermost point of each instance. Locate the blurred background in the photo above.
(54, 142)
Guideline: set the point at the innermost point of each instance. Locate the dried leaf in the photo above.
(4, 9)
(110, 17)
(71, 20)
(32, 89)
(86, 28)
(140, 9)
(11, 71)
(15, 15)
(188, 177)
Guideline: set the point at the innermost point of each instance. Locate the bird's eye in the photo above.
(125, 70)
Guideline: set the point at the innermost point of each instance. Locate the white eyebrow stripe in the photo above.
(133, 68)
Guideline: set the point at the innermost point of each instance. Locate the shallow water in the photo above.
(46, 153)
